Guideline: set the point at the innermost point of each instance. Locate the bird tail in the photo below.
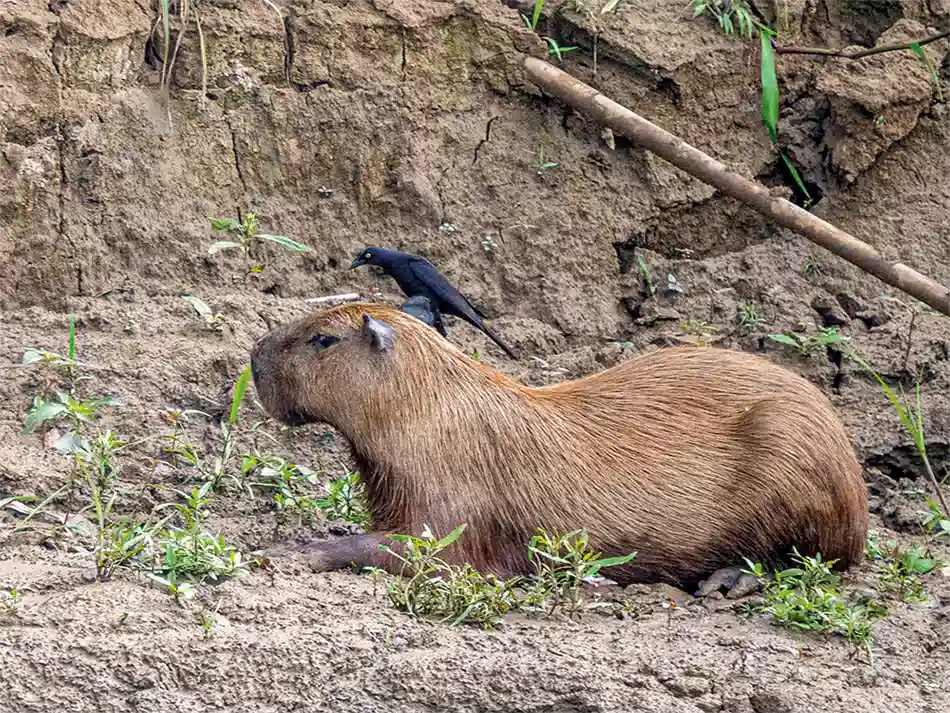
(497, 340)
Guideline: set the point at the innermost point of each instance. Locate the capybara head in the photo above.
(340, 364)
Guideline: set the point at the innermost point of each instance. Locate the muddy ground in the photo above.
(411, 125)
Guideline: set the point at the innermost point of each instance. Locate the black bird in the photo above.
(417, 277)
(420, 307)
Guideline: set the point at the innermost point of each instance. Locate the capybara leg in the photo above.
(737, 583)
(354, 551)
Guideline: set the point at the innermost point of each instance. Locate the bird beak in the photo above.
(358, 262)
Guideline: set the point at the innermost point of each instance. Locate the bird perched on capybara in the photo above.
(693, 457)
(417, 277)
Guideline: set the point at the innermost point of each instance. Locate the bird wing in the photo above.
(441, 288)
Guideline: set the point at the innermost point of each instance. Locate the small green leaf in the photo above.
(452, 536)
(200, 307)
(286, 242)
(784, 339)
(796, 176)
(72, 336)
(222, 245)
(929, 66)
(609, 7)
(769, 85)
(31, 356)
(537, 13)
(612, 561)
(43, 412)
(224, 224)
(239, 390)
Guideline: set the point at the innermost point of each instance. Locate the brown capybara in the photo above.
(692, 457)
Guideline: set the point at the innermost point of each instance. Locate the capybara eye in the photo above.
(324, 340)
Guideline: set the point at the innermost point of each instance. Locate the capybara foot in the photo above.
(736, 582)
(356, 551)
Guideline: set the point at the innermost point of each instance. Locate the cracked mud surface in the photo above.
(411, 125)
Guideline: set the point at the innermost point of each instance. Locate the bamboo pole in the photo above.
(588, 100)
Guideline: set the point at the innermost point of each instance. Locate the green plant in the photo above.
(900, 570)
(936, 523)
(211, 319)
(184, 557)
(700, 332)
(345, 500)
(206, 620)
(811, 268)
(809, 597)
(53, 361)
(930, 67)
(429, 588)
(217, 471)
(913, 422)
(11, 600)
(646, 274)
(729, 13)
(285, 479)
(750, 317)
(123, 543)
(733, 14)
(554, 49)
(64, 406)
(532, 22)
(245, 237)
(562, 564)
(543, 161)
(824, 338)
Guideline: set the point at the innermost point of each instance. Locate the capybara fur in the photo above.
(693, 457)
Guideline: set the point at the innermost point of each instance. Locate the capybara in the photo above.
(693, 457)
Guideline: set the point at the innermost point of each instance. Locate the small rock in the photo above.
(769, 702)
(832, 314)
(651, 312)
(872, 317)
(850, 304)
(632, 306)
(688, 686)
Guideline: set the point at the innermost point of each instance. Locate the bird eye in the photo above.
(368, 255)
(324, 340)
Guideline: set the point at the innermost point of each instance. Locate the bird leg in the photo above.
(733, 579)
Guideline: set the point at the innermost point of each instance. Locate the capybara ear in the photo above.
(380, 336)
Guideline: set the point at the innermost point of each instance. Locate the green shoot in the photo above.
(750, 317)
(913, 422)
(64, 406)
(646, 272)
(211, 319)
(345, 500)
(729, 14)
(824, 338)
(562, 564)
(240, 388)
(429, 588)
(244, 236)
(808, 597)
(929, 66)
